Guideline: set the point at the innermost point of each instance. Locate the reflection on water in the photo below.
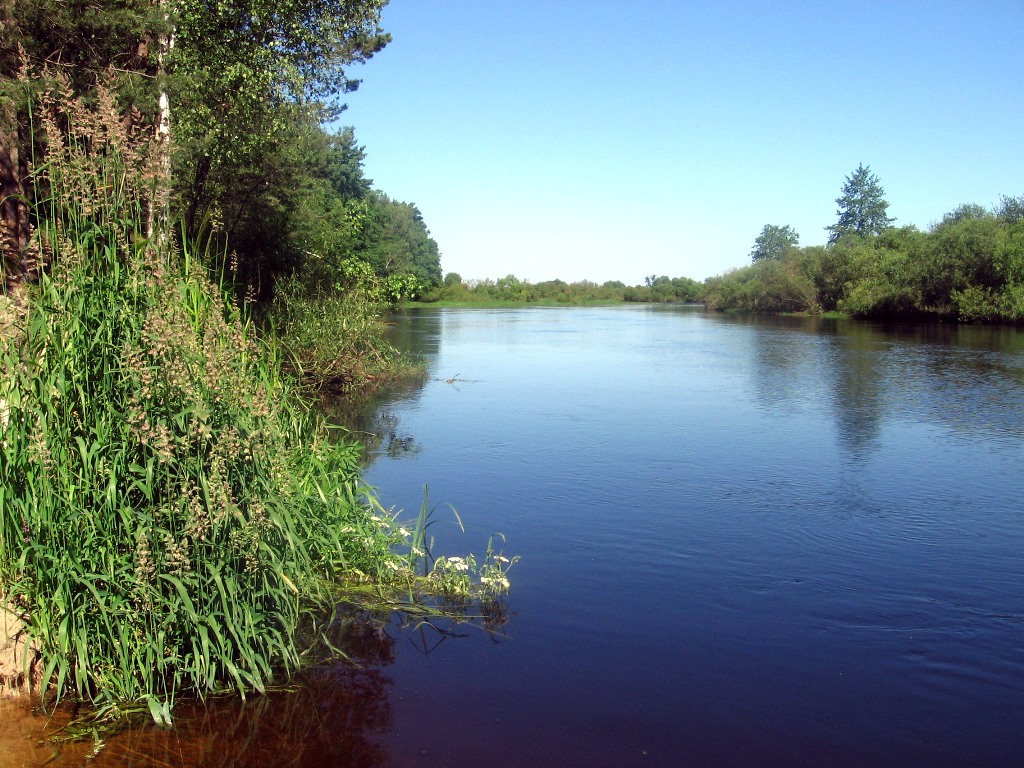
(371, 419)
(961, 377)
(334, 714)
(331, 718)
(367, 421)
(745, 541)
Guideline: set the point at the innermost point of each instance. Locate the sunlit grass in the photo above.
(170, 515)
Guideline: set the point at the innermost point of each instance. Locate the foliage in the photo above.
(244, 74)
(163, 513)
(336, 341)
(1011, 209)
(773, 242)
(396, 241)
(970, 267)
(89, 40)
(170, 516)
(249, 83)
(766, 286)
(510, 289)
(244, 50)
(862, 206)
(452, 577)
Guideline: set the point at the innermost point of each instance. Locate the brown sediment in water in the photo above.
(25, 736)
(23, 731)
(334, 717)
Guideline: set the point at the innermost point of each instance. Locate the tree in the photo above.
(967, 211)
(1011, 209)
(243, 74)
(773, 242)
(397, 241)
(242, 77)
(862, 207)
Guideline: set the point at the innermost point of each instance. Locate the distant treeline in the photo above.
(968, 267)
(656, 288)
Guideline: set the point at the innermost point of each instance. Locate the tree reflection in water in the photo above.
(334, 714)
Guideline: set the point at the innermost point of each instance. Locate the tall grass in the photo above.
(171, 518)
(335, 339)
(167, 509)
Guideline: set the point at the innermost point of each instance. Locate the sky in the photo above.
(585, 139)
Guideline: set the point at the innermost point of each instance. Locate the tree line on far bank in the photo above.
(967, 267)
(656, 288)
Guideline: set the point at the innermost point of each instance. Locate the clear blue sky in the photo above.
(608, 140)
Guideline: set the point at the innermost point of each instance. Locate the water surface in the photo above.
(772, 542)
(744, 542)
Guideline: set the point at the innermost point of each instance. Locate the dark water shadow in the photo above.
(331, 718)
(336, 713)
(365, 419)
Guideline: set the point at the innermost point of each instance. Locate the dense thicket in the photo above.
(246, 86)
(968, 267)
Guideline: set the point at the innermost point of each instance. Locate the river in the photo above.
(743, 542)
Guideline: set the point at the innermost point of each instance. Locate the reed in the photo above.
(172, 519)
(168, 510)
(336, 338)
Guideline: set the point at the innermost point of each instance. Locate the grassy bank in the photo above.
(170, 513)
(336, 343)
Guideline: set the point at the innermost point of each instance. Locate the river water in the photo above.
(743, 542)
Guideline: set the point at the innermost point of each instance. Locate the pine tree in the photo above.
(862, 206)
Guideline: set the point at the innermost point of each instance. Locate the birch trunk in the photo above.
(160, 211)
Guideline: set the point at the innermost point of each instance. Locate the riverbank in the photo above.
(19, 654)
(174, 521)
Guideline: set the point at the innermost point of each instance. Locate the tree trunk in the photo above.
(160, 209)
(202, 172)
(14, 223)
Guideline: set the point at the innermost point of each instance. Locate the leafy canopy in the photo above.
(773, 242)
(862, 206)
